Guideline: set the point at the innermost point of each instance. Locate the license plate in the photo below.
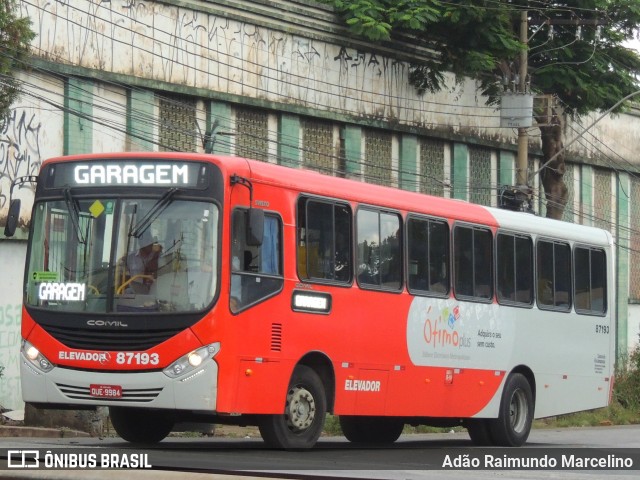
(105, 391)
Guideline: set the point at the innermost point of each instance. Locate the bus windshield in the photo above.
(104, 255)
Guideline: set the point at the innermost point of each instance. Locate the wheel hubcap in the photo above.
(518, 411)
(301, 409)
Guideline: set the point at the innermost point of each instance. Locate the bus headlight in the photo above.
(192, 360)
(35, 358)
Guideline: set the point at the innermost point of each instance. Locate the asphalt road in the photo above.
(412, 457)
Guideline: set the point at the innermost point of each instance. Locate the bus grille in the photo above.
(121, 340)
(128, 395)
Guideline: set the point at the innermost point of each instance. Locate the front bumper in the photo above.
(194, 391)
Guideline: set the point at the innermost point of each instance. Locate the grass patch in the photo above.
(614, 414)
(332, 426)
(428, 429)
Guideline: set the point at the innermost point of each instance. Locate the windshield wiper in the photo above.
(74, 214)
(156, 210)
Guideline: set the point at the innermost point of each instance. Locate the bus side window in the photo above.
(553, 260)
(256, 271)
(379, 247)
(324, 241)
(473, 261)
(590, 281)
(514, 269)
(428, 256)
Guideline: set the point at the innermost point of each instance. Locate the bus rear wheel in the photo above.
(371, 429)
(306, 406)
(512, 427)
(478, 429)
(138, 425)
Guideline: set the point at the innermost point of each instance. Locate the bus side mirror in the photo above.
(255, 227)
(12, 218)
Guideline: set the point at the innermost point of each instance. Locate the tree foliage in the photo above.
(587, 66)
(576, 51)
(15, 36)
(627, 385)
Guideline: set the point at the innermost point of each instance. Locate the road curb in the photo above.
(40, 432)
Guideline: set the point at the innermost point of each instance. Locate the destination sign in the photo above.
(144, 174)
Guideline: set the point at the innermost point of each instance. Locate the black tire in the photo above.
(479, 432)
(137, 425)
(512, 427)
(371, 429)
(305, 409)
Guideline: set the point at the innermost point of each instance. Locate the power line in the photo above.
(362, 163)
(182, 64)
(381, 179)
(291, 80)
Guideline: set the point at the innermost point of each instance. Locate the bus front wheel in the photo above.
(371, 429)
(303, 419)
(512, 427)
(138, 425)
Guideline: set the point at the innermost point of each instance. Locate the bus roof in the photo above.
(546, 227)
(311, 182)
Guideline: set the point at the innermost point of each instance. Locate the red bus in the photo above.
(175, 287)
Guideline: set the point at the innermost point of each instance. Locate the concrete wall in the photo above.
(242, 52)
(32, 132)
(289, 53)
(12, 256)
(633, 327)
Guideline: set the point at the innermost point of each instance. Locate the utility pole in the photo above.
(523, 137)
(521, 194)
(519, 197)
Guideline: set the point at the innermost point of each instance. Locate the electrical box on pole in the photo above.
(516, 110)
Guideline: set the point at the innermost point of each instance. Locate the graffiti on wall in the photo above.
(10, 396)
(20, 145)
(174, 44)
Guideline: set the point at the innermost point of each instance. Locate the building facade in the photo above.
(282, 82)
